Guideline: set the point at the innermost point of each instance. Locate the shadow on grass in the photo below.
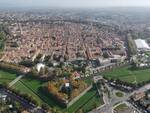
(41, 93)
(134, 68)
(31, 79)
(47, 98)
(43, 96)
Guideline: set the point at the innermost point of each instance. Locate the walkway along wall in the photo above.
(107, 68)
(79, 96)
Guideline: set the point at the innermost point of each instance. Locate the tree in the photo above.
(80, 111)
(54, 110)
(45, 107)
(131, 45)
(27, 63)
(52, 88)
(95, 105)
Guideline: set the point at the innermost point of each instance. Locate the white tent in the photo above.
(141, 44)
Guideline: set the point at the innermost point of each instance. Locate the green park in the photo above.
(32, 87)
(128, 74)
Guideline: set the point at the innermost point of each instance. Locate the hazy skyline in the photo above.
(72, 3)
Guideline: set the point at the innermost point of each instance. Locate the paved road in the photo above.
(21, 100)
(108, 107)
(16, 80)
(24, 102)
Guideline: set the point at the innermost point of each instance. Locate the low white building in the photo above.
(40, 66)
(142, 44)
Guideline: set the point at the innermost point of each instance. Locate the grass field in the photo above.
(86, 102)
(121, 108)
(24, 90)
(6, 77)
(32, 86)
(95, 101)
(88, 81)
(119, 94)
(128, 74)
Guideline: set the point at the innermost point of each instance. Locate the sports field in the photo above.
(128, 74)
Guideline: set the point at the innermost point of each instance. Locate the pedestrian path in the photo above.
(15, 80)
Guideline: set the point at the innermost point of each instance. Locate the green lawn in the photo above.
(86, 102)
(6, 77)
(34, 86)
(88, 81)
(120, 108)
(81, 101)
(128, 74)
(24, 90)
(119, 94)
(95, 101)
(31, 86)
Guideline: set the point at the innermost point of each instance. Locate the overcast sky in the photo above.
(73, 3)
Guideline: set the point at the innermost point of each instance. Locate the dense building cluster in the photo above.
(60, 39)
